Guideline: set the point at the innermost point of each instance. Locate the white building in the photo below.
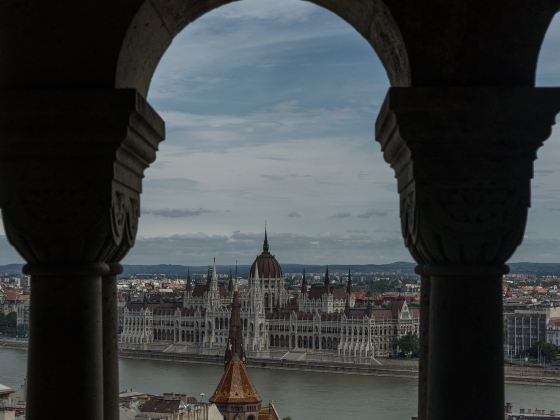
(321, 320)
(553, 332)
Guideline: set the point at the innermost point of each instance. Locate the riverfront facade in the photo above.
(322, 320)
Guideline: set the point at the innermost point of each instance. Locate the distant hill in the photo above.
(243, 270)
(542, 269)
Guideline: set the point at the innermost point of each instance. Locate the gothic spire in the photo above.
(349, 284)
(234, 349)
(265, 244)
(303, 283)
(188, 284)
(230, 284)
(327, 281)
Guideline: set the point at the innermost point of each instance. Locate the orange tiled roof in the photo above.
(235, 387)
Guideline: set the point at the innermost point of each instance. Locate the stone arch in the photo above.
(155, 24)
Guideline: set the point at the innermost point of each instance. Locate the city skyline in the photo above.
(270, 109)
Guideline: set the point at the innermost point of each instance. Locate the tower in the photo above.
(236, 397)
(303, 283)
(348, 292)
(271, 278)
(231, 285)
(327, 281)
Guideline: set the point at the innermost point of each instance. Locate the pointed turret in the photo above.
(214, 281)
(231, 283)
(327, 281)
(236, 393)
(349, 283)
(188, 284)
(256, 276)
(234, 349)
(303, 283)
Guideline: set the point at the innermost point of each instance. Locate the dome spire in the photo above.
(265, 244)
(327, 281)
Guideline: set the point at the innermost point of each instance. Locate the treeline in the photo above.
(8, 325)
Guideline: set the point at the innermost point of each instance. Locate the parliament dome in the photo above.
(269, 267)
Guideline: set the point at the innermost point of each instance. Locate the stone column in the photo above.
(424, 337)
(65, 362)
(463, 159)
(110, 343)
(71, 166)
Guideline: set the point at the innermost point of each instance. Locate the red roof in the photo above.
(199, 290)
(318, 292)
(236, 386)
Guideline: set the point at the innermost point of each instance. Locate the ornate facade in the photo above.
(321, 319)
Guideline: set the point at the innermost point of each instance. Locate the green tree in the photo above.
(409, 345)
(8, 323)
(543, 349)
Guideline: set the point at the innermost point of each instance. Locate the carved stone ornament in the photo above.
(71, 168)
(463, 159)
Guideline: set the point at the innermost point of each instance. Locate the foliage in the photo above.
(549, 351)
(8, 323)
(409, 345)
(382, 285)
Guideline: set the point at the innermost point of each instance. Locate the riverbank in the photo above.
(523, 375)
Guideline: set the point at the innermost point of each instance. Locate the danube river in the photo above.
(301, 395)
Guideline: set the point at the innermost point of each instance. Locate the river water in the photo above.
(301, 395)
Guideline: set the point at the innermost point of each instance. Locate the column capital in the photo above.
(463, 159)
(71, 169)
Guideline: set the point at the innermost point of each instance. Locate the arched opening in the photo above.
(151, 32)
(540, 244)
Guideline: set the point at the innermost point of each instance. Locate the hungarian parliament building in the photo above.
(320, 322)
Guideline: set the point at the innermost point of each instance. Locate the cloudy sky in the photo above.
(270, 109)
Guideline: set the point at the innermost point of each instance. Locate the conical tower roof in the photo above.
(236, 386)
